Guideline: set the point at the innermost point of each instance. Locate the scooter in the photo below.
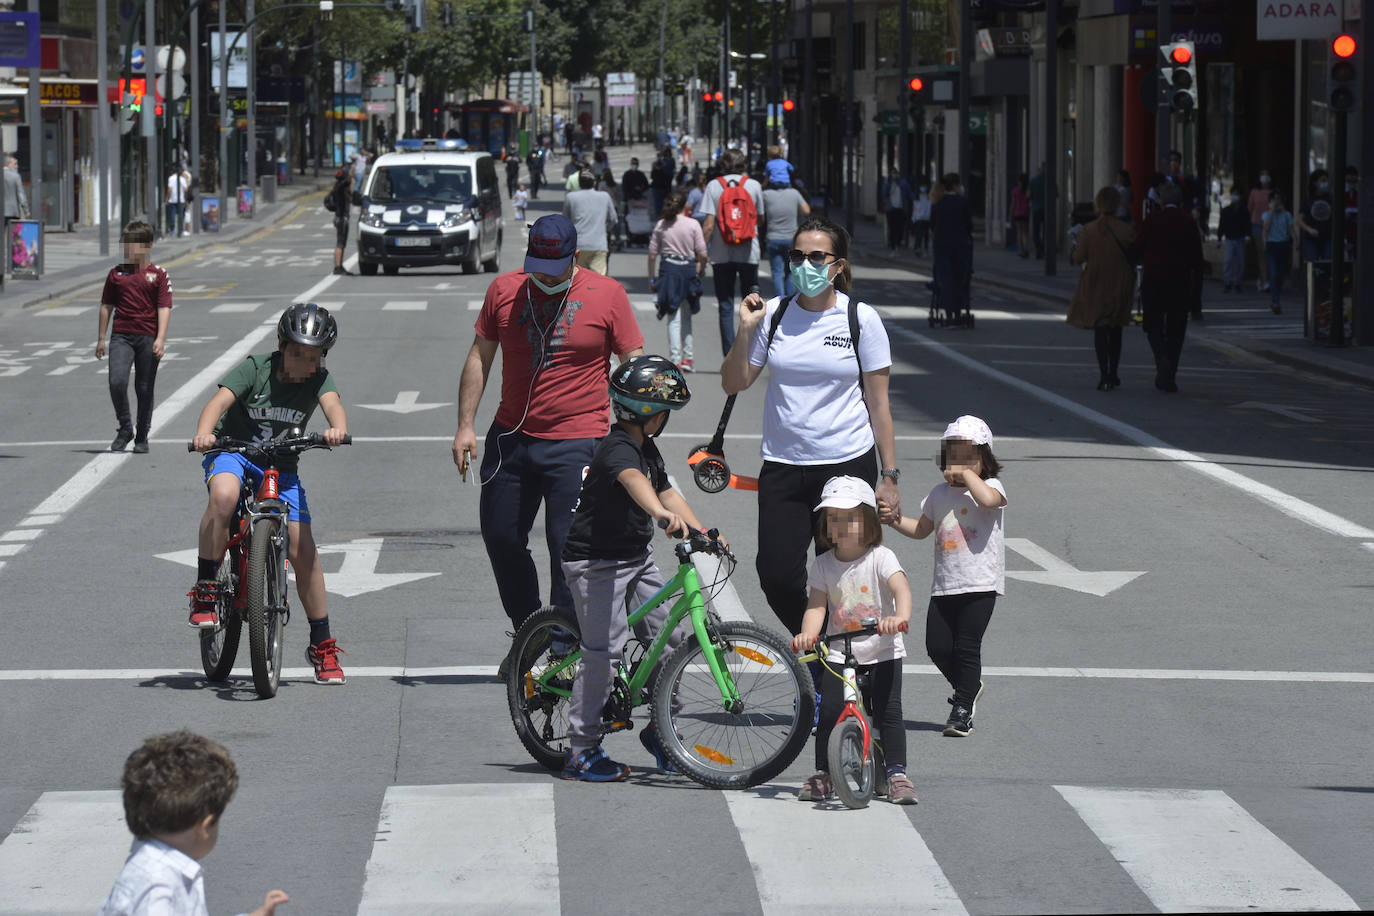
(707, 461)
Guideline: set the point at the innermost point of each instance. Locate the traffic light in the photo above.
(527, 21)
(1179, 75)
(788, 105)
(915, 101)
(446, 14)
(415, 15)
(1342, 73)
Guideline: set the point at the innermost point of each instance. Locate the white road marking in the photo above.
(786, 844)
(357, 573)
(1061, 574)
(1289, 505)
(723, 598)
(1291, 413)
(21, 534)
(9, 550)
(406, 305)
(474, 305)
(64, 854)
(473, 848)
(1192, 851)
(1183, 370)
(407, 402)
(236, 307)
(40, 519)
(64, 311)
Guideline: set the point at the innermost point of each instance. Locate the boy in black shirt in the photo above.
(608, 559)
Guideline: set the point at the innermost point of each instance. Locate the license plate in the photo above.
(416, 242)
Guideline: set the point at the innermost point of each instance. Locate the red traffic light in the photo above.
(1344, 46)
(917, 84)
(788, 105)
(706, 96)
(719, 95)
(1181, 55)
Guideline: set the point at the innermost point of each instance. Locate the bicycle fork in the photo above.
(853, 709)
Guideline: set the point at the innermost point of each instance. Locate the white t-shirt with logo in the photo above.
(814, 411)
(970, 555)
(857, 589)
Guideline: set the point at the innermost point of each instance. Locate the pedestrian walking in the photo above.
(951, 225)
(1169, 250)
(920, 220)
(733, 208)
(965, 515)
(1235, 235)
(520, 201)
(16, 200)
(696, 190)
(633, 183)
(534, 163)
(786, 209)
(1123, 188)
(339, 201)
(1020, 214)
(661, 179)
(895, 200)
(555, 325)
(592, 213)
(1105, 292)
(512, 173)
(619, 232)
(1258, 206)
(1037, 209)
(139, 295)
(1278, 229)
(1314, 218)
(178, 183)
(679, 247)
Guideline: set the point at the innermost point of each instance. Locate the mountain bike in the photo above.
(854, 754)
(732, 705)
(252, 573)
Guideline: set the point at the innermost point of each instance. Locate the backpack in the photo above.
(329, 203)
(735, 213)
(853, 332)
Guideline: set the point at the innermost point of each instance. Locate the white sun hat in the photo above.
(971, 428)
(846, 493)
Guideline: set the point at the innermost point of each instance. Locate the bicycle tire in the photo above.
(264, 595)
(734, 750)
(219, 647)
(852, 777)
(541, 717)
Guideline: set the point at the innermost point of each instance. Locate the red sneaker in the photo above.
(204, 600)
(325, 658)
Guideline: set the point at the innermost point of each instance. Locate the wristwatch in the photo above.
(894, 474)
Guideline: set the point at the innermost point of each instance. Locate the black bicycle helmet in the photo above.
(309, 324)
(647, 385)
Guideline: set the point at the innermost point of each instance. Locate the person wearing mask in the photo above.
(1278, 230)
(895, 200)
(786, 206)
(1314, 218)
(920, 220)
(1258, 205)
(951, 224)
(1169, 250)
(1235, 234)
(660, 179)
(535, 164)
(634, 183)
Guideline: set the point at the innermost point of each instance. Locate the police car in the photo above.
(431, 202)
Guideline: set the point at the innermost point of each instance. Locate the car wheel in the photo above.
(367, 268)
(391, 270)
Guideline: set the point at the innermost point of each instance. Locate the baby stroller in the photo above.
(639, 223)
(938, 314)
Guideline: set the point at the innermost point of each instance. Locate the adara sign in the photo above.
(1293, 19)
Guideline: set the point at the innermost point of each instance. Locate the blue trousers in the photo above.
(777, 259)
(519, 474)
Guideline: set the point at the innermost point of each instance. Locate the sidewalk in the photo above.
(72, 260)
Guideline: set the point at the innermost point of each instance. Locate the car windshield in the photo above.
(427, 182)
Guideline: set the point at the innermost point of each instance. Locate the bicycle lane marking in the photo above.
(81, 484)
(1289, 505)
(784, 846)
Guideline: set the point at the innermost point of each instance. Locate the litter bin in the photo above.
(269, 189)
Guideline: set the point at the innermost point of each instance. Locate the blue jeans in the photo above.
(519, 473)
(1279, 256)
(1235, 262)
(176, 220)
(777, 259)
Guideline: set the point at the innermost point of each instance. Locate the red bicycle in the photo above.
(252, 573)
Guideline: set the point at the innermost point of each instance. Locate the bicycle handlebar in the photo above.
(295, 444)
(707, 541)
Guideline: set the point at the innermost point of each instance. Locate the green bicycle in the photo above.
(732, 705)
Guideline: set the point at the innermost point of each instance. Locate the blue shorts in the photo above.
(288, 485)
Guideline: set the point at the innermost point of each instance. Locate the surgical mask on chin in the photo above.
(811, 280)
(551, 290)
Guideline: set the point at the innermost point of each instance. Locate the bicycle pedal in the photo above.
(607, 727)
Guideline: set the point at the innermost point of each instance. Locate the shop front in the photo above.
(71, 195)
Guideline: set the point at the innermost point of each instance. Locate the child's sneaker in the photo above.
(649, 738)
(817, 788)
(592, 765)
(204, 601)
(900, 791)
(325, 659)
(960, 723)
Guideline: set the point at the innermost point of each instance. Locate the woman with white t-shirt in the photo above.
(819, 420)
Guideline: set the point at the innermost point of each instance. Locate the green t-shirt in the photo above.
(266, 407)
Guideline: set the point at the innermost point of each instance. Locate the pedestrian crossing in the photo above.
(455, 848)
(252, 307)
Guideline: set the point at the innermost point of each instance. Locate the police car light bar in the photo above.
(409, 146)
(415, 145)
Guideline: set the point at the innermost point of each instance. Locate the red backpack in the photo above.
(735, 213)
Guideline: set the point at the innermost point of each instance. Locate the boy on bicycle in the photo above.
(264, 398)
(608, 558)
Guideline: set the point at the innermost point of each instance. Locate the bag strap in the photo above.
(853, 331)
(1124, 253)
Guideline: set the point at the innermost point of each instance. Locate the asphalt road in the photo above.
(1192, 732)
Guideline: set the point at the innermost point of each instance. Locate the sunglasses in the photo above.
(817, 258)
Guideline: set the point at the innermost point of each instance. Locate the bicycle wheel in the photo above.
(539, 706)
(265, 596)
(219, 646)
(734, 749)
(851, 776)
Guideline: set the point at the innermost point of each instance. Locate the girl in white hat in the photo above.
(965, 513)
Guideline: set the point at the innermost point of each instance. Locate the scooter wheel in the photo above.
(705, 446)
(712, 474)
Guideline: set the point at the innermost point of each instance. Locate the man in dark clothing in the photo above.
(535, 164)
(1037, 209)
(660, 181)
(1169, 249)
(951, 226)
(634, 183)
(512, 173)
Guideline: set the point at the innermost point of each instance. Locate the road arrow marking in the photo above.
(406, 402)
(356, 576)
(1060, 574)
(1292, 413)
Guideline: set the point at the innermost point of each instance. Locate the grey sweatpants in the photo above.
(604, 593)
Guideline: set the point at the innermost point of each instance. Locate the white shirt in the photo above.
(856, 589)
(177, 182)
(157, 880)
(814, 412)
(969, 553)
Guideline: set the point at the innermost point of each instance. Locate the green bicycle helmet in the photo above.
(645, 386)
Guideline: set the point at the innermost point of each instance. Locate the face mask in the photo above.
(810, 279)
(1264, 179)
(551, 290)
(1323, 185)
(1235, 198)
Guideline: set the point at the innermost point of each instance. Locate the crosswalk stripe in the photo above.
(64, 855)
(64, 311)
(237, 307)
(474, 305)
(406, 305)
(1192, 850)
(490, 833)
(786, 844)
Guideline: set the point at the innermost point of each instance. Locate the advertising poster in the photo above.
(245, 202)
(24, 248)
(209, 214)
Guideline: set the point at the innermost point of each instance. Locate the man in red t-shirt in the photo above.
(140, 295)
(556, 326)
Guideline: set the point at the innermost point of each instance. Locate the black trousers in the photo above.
(136, 351)
(955, 625)
(1164, 306)
(881, 687)
(787, 496)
